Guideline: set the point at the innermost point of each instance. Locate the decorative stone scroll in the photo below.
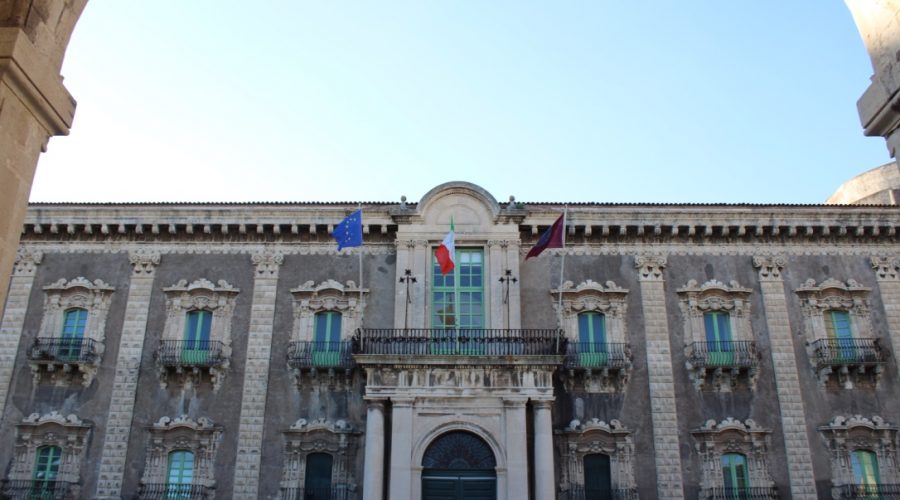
(595, 437)
(886, 268)
(65, 360)
(337, 438)
(720, 371)
(26, 261)
(68, 433)
(182, 298)
(714, 439)
(844, 435)
(200, 437)
(650, 267)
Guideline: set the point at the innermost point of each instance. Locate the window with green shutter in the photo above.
(735, 476)
(592, 348)
(179, 475)
(719, 346)
(326, 349)
(196, 337)
(46, 468)
(837, 326)
(74, 321)
(865, 468)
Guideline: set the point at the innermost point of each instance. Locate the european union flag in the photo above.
(348, 232)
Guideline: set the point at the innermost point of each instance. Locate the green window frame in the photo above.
(597, 477)
(46, 469)
(326, 347)
(735, 476)
(317, 479)
(179, 474)
(837, 326)
(593, 350)
(72, 335)
(865, 469)
(197, 328)
(457, 301)
(719, 343)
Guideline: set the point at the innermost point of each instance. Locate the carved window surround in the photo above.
(201, 437)
(311, 298)
(740, 363)
(590, 296)
(63, 361)
(68, 433)
(857, 360)
(714, 439)
(596, 436)
(845, 435)
(338, 439)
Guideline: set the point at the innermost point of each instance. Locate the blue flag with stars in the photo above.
(348, 232)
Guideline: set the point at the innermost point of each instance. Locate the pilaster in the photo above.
(128, 365)
(887, 272)
(659, 366)
(516, 449)
(544, 474)
(20, 285)
(401, 448)
(256, 374)
(787, 381)
(373, 472)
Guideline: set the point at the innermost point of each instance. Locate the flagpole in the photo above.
(562, 269)
(360, 273)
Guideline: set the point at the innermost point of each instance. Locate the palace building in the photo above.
(230, 350)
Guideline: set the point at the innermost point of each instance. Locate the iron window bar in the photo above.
(848, 351)
(320, 354)
(459, 342)
(870, 491)
(172, 491)
(587, 355)
(746, 493)
(196, 353)
(63, 350)
(579, 492)
(38, 488)
(335, 492)
(724, 354)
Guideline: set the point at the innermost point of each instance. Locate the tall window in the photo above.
(719, 346)
(837, 326)
(735, 476)
(865, 472)
(46, 468)
(196, 336)
(179, 475)
(597, 477)
(74, 321)
(318, 477)
(592, 348)
(326, 347)
(458, 297)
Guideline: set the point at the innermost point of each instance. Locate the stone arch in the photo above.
(443, 452)
(470, 205)
(426, 441)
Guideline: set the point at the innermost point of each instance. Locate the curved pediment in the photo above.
(468, 204)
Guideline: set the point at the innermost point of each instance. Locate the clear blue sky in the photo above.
(609, 101)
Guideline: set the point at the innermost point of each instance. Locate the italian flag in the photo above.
(445, 253)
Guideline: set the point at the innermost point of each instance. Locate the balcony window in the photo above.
(195, 350)
(46, 469)
(717, 326)
(326, 346)
(592, 339)
(179, 475)
(74, 321)
(734, 475)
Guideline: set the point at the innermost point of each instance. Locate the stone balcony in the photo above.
(189, 362)
(597, 366)
(317, 358)
(722, 365)
(848, 362)
(64, 360)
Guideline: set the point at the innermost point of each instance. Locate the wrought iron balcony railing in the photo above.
(63, 350)
(28, 489)
(335, 492)
(600, 355)
(724, 354)
(748, 493)
(181, 353)
(870, 492)
(852, 351)
(315, 354)
(579, 492)
(459, 342)
(169, 491)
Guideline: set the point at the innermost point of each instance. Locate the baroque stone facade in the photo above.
(668, 351)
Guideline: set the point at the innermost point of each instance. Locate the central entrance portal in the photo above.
(459, 465)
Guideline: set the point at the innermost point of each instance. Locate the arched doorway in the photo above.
(459, 465)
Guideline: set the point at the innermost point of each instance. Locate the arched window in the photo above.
(318, 477)
(74, 321)
(597, 477)
(179, 475)
(326, 346)
(865, 469)
(592, 346)
(46, 469)
(735, 477)
(719, 345)
(196, 336)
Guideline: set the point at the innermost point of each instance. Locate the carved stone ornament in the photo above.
(26, 261)
(769, 266)
(844, 435)
(338, 439)
(590, 296)
(650, 267)
(69, 433)
(741, 362)
(592, 437)
(72, 360)
(886, 268)
(201, 437)
(865, 363)
(143, 262)
(183, 297)
(267, 263)
(714, 439)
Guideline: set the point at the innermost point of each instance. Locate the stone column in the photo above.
(887, 271)
(373, 473)
(659, 367)
(401, 449)
(14, 317)
(787, 382)
(128, 366)
(516, 449)
(256, 375)
(544, 475)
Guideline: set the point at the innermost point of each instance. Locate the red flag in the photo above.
(553, 237)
